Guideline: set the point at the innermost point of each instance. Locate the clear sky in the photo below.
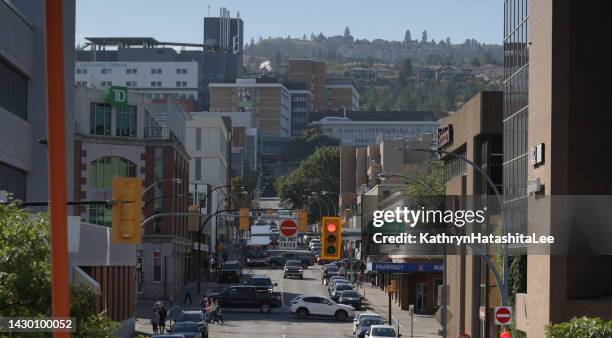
(180, 20)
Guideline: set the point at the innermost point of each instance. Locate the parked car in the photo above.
(335, 283)
(231, 271)
(352, 298)
(314, 242)
(331, 279)
(365, 324)
(246, 296)
(189, 329)
(328, 271)
(191, 316)
(382, 331)
(261, 283)
(363, 316)
(293, 269)
(304, 306)
(338, 288)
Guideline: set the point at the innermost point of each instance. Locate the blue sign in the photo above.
(407, 267)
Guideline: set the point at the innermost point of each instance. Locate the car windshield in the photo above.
(190, 317)
(370, 321)
(383, 332)
(229, 266)
(332, 269)
(362, 318)
(185, 327)
(261, 281)
(293, 263)
(352, 294)
(342, 287)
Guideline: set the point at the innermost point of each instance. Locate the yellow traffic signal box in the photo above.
(331, 238)
(302, 220)
(244, 219)
(127, 210)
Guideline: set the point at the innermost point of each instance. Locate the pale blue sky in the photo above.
(180, 20)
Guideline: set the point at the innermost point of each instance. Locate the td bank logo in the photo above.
(117, 95)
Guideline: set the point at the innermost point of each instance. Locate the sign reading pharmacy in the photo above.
(407, 267)
(117, 95)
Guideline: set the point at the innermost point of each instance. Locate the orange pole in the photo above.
(56, 155)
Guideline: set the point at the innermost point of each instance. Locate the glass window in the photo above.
(103, 169)
(13, 91)
(126, 120)
(157, 265)
(13, 180)
(198, 138)
(198, 168)
(99, 119)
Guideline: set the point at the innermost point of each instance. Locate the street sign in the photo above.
(117, 95)
(407, 267)
(482, 313)
(288, 228)
(503, 315)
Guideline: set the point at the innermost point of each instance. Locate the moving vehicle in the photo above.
(261, 283)
(352, 298)
(256, 255)
(365, 325)
(293, 269)
(304, 306)
(189, 329)
(304, 257)
(340, 287)
(246, 296)
(314, 242)
(231, 271)
(363, 316)
(382, 331)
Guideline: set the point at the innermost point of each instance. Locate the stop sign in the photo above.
(503, 315)
(288, 228)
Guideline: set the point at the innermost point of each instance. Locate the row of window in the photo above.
(100, 119)
(130, 70)
(13, 91)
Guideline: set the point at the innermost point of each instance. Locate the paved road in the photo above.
(280, 323)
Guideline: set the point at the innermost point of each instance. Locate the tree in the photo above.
(448, 42)
(304, 37)
(424, 38)
(405, 72)
(252, 41)
(319, 172)
(475, 62)
(25, 275)
(407, 38)
(347, 35)
(302, 146)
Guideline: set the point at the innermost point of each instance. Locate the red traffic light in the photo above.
(331, 227)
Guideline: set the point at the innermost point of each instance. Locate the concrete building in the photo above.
(341, 94)
(154, 79)
(137, 139)
(361, 128)
(268, 101)
(301, 106)
(208, 143)
(556, 100)
(472, 132)
(313, 74)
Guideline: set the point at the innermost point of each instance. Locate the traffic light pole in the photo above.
(389, 293)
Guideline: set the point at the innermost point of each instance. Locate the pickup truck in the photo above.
(247, 297)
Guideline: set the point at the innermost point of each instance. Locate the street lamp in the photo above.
(384, 175)
(176, 180)
(323, 202)
(327, 199)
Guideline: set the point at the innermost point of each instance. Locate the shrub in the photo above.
(582, 327)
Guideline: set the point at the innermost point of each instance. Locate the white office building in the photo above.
(154, 79)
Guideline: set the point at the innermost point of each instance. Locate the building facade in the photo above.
(131, 140)
(154, 79)
(472, 132)
(312, 73)
(341, 94)
(301, 106)
(269, 103)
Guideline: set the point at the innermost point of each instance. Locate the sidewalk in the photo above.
(378, 301)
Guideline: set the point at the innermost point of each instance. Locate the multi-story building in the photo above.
(313, 74)
(557, 108)
(208, 144)
(361, 128)
(341, 94)
(218, 58)
(154, 79)
(268, 101)
(143, 139)
(301, 106)
(474, 133)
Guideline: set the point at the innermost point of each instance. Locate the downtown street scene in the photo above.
(286, 169)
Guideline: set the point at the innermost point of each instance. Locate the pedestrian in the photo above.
(342, 271)
(187, 295)
(208, 310)
(217, 311)
(155, 321)
(163, 315)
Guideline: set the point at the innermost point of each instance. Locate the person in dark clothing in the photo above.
(163, 315)
(187, 295)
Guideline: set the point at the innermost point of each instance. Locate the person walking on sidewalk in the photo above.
(163, 315)
(216, 309)
(155, 321)
(187, 295)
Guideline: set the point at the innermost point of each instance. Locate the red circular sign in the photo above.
(503, 315)
(288, 228)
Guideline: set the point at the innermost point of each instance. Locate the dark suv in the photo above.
(261, 283)
(306, 259)
(231, 271)
(293, 269)
(246, 296)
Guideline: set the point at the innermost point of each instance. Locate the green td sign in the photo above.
(117, 95)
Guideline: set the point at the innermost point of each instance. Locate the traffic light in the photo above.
(302, 220)
(331, 238)
(244, 219)
(127, 209)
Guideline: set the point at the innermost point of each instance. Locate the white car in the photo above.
(382, 331)
(314, 242)
(304, 306)
(362, 316)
